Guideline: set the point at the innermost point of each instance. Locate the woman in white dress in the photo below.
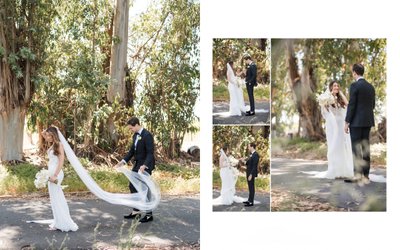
(340, 157)
(229, 176)
(62, 218)
(236, 98)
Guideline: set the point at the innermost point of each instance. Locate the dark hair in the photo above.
(225, 147)
(133, 121)
(56, 140)
(253, 145)
(230, 62)
(359, 69)
(247, 57)
(339, 98)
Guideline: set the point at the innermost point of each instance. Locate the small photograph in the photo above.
(241, 81)
(329, 125)
(241, 168)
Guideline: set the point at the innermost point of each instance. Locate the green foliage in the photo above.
(72, 83)
(331, 59)
(166, 41)
(237, 138)
(262, 183)
(221, 93)
(225, 50)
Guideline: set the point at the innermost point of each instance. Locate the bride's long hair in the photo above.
(339, 99)
(52, 131)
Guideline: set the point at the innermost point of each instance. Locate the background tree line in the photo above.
(87, 66)
(302, 68)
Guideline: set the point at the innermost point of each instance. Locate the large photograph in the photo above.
(329, 125)
(241, 81)
(99, 124)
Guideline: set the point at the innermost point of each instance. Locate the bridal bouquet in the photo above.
(233, 161)
(325, 99)
(42, 177)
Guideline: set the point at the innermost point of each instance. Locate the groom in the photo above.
(359, 120)
(142, 152)
(251, 82)
(251, 173)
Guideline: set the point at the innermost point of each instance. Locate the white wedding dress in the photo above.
(229, 176)
(62, 219)
(340, 156)
(236, 98)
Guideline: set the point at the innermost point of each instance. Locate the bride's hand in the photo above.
(53, 179)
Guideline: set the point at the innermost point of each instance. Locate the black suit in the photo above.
(142, 154)
(360, 116)
(251, 82)
(252, 169)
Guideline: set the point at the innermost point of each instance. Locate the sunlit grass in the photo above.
(262, 182)
(172, 179)
(221, 93)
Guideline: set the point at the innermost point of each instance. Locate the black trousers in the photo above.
(133, 190)
(252, 190)
(361, 152)
(250, 92)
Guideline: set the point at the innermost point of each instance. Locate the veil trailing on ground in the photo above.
(148, 193)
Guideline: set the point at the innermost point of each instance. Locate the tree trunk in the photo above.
(119, 51)
(12, 134)
(303, 86)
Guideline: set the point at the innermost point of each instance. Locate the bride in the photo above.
(147, 197)
(340, 157)
(236, 99)
(62, 219)
(229, 176)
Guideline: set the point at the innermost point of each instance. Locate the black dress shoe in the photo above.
(250, 204)
(247, 112)
(352, 180)
(132, 216)
(146, 218)
(246, 202)
(250, 114)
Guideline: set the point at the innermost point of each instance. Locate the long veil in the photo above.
(148, 193)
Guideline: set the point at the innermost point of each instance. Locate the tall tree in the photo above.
(303, 87)
(118, 61)
(24, 35)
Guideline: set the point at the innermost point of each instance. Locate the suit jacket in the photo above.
(360, 111)
(251, 74)
(252, 164)
(143, 153)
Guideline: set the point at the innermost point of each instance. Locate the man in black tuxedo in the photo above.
(251, 173)
(142, 152)
(251, 82)
(359, 120)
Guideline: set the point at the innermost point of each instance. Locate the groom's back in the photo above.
(364, 113)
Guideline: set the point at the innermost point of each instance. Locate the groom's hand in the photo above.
(346, 128)
(142, 168)
(250, 177)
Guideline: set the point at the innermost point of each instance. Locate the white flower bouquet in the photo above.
(326, 99)
(233, 161)
(41, 178)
